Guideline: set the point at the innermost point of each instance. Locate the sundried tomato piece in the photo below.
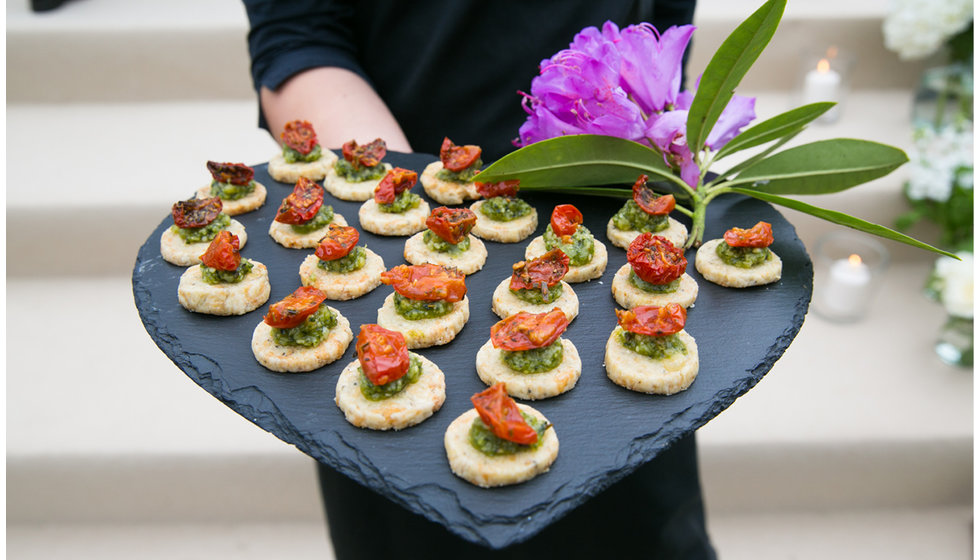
(651, 202)
(196, 212)
(758, 236)
(500, 413)
(457, 158)
(382, 353)
(234, 173)
(222, 253)
(337, 243)
(565, 219)
(652, 320)
(548, 269)
(503, 188)
(395, 182)
(655, 259)
(292, 310)
(452, 225)
(302, 204)
(299, 135)
(426, 282)
(526, 331)
(367, 155)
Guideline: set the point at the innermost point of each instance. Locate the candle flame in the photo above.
(855, 260)
(823, 66)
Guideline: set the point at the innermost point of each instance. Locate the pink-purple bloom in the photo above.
(624, 84)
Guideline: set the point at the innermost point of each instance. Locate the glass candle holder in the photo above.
(825, 77)
(848, 270)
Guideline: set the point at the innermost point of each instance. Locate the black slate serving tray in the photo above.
(605, 431)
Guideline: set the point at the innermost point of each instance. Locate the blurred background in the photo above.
(858, 443)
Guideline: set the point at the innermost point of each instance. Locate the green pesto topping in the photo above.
(292, 156)
(536, 360)
(656, 347)
(374, 392)
(579, 249)
(203, 233)
(743, 257)
(348, 263)
(310, 332)
(464, 176)
(536, 297)
(404, 201)
(485, 441)
(361, 174)
(639, 283)
(632, 218)
(218, 276)
(440, 245)
(323, 217)
(231, 191)
(415, 309)
(504, 208)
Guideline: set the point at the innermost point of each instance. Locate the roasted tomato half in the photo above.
(503, 188)
(565, 219)
(526, 331)
(759, 235)
(548, 269)
(234, 173)
(382, 353)
(655, 259)
(652, 320)
(368, 155)
(395, 182)
(426, 282)
(222, 253)
(302, 204)
(452, 225)
(500, 413)
(457, 158)
(196, 212)
(294, 308)
(651, 202)
(299, 135)
(337, 243)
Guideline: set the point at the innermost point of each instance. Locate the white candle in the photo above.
(823, 84)
(848, 287)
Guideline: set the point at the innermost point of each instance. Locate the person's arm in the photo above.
(339, 104)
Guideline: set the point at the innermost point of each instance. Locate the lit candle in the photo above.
(849, 287)
(823, 84)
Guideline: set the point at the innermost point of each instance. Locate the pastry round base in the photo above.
(491, 368)
(423, 333)
(503, 232)
(646, 375)
(300, 358)
(175, 251)
(284, 235)
(592, 269)
(411, 406)
(417, 252)
(285, 172)
(445, 192)
(343, 286)
(386, 223)
(629, 296)
(506, 303)
(713, 269)
(252, 201)
(346, 190)
(196, 295)
(488, 471)
(676, 233)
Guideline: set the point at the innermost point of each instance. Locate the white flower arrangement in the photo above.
(918, 28)
(941, 158)
(952, 284)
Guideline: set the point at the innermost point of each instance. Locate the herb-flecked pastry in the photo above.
(355, 175)
(450, 180)
(655, 274)
(340, 267)
(301, 155)
(447, 241)
(224, 283)
(395, 209)
(303, 218)
(646, 212)
(429, 304)
(650, 352)
(742, 258)
(587, 255)
(197, 222)
(536, 286)
(235, 185)
(501, 216)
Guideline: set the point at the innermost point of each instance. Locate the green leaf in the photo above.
(827, 166)
(788, 123)
(578, 160)
(841, 219)
(728, 66)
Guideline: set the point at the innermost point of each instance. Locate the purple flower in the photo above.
(668, 132)
(650, 66)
